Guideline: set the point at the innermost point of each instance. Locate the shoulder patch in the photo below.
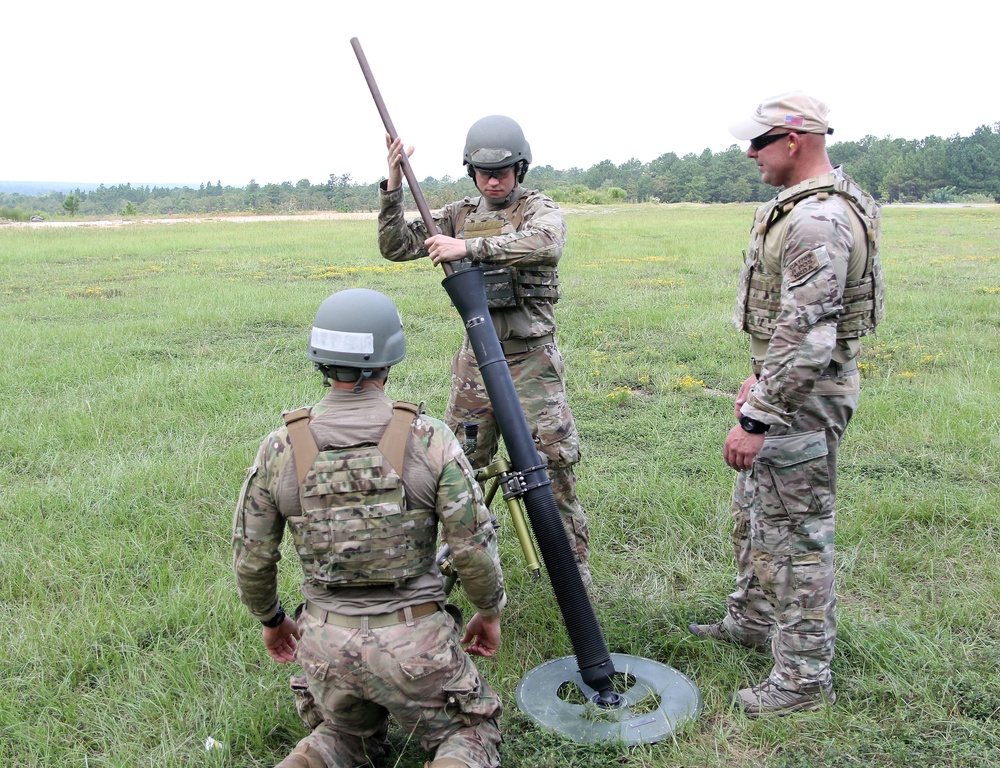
(803, 266)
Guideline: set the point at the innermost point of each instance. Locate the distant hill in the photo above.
(39, 188)
(35, 188)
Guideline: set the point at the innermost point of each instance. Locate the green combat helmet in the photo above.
(356, 332)
(496, 142)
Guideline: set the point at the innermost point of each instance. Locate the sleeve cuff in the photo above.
(495, 610)
(765, 417)
(389, 195)
(268, 617)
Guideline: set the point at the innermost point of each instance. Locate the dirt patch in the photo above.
(236, 218)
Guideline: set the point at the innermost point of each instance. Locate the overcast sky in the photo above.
(216, 90)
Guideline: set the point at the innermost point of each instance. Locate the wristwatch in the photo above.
(753, 426)
(275, 621)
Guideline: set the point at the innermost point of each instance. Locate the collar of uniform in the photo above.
(366, 396)
(824, 181)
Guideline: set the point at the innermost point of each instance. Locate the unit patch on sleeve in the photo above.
(803, 266)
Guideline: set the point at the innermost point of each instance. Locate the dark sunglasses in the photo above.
(762, 141)
(495, 173)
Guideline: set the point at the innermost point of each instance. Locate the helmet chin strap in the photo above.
(363, 375)
(347, 375)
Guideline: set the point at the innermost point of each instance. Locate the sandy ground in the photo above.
(190, 219)
(331, 215)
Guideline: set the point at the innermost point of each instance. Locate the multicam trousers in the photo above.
(783, 536)
(416, 672)
(540, 381)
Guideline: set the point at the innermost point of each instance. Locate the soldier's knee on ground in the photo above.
(446, 762)
(303, 756)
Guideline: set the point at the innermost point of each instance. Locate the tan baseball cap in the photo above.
(795, 110)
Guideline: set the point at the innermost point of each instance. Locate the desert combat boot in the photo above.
(769, 699)
(724, 635)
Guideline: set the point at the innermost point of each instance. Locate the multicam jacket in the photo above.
(810, 287)
(528, 235)
(436, 476)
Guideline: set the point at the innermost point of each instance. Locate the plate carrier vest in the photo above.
(506, 287)
(758, 302)
(356, 528)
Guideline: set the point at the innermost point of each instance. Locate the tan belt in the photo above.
(402, 616)
(519, 346)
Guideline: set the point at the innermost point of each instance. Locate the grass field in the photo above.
(143, 365)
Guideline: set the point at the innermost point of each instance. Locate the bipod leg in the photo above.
(499, 473)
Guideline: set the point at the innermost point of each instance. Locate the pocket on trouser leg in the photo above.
(305, 704)
(327, 681)
(542, 391)
(315, 668)
(470, 697)
(792, 511)
(437, 693)
(795, 470)
(805, 644)
(471, 702)
(811, 590)
(559, 443)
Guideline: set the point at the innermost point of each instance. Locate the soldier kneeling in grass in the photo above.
(363, 484)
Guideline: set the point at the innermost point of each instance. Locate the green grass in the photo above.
(144, 364)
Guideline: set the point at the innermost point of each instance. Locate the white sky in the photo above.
(184, 92)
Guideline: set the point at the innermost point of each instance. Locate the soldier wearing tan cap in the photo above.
(810, 288)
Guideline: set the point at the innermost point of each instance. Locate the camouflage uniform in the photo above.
(529, 235)
(412, 667)
(811, 286)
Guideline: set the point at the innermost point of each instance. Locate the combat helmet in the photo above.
(496, 142)
(356, 332)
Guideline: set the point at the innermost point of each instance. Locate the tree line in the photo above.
(934, 169)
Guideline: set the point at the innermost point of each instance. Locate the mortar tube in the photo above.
(467, 292)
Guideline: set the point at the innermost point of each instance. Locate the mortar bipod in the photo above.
(499, 473)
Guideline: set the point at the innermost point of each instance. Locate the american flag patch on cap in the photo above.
(794, 120)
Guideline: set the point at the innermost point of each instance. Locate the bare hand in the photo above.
(741, 447)
(482, 635)
(280, 640)
(442, 248)
(395, 160)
